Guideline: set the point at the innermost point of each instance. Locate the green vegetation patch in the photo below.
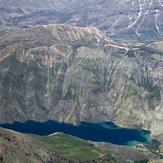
(72, 148)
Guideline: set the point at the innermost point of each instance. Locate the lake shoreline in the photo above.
(106, 132)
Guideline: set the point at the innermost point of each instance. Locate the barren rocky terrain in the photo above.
(76, 61)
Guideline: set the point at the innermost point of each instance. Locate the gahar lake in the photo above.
(101, 132)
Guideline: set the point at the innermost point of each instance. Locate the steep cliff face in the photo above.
(129, 19)
(75, 74)
(78, 74)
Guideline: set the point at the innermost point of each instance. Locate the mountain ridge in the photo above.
(74, 61)
(120, 19)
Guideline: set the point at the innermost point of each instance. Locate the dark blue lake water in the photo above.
(101, 132)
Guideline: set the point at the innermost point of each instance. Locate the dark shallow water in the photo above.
(101, 132)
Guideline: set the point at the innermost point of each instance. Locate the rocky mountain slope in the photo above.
(74, 74)
(129, 19)
(77, 74)
(16, 147)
